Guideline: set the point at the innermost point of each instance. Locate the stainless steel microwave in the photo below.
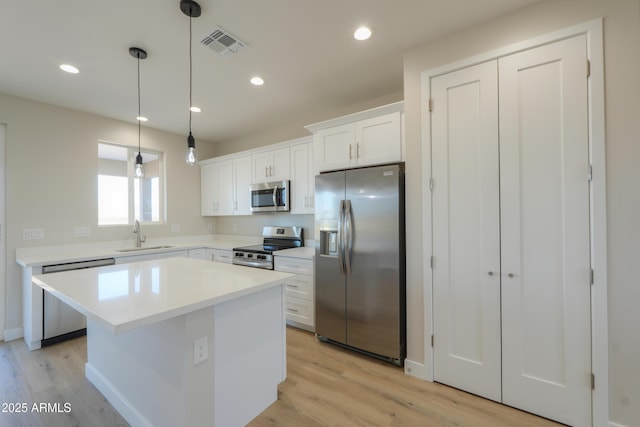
(270, 197)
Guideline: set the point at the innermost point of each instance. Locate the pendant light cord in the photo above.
(190, 73)
(139, 103)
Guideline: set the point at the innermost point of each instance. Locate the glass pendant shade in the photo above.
(139, 170)
(191, 150)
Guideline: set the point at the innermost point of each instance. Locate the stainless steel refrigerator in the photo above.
(360, 260)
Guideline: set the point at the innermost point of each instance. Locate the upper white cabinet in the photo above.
(367, 138)
(302, 179)
(272, 165)
(225, 187)
(216, 188)
(241, 183)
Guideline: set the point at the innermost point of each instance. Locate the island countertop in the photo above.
(131, 295)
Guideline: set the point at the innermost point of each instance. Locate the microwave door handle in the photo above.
(275, 194)
(341, 238)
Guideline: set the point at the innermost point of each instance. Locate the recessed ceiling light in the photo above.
(195, 109)
(257, 81)
(362, 33)
(69, 69)
(142, 118)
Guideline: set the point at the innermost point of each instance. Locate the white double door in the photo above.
(511, 276)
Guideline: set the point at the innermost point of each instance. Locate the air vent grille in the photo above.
(221, 41)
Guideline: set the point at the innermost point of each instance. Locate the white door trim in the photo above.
(599, 327)
(3, 232)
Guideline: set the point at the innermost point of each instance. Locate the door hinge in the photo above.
(591, 279)
(431, 340)
(590, 174)
(430, 105)
(593, 381)
(588, 68)
(431, 184)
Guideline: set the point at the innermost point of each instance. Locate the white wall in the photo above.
(622, 85)
(52, 163)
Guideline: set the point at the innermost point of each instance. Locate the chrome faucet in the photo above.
(136, 231)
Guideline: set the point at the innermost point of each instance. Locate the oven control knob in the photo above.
(239, 254)
(249, 255)
(262, 257)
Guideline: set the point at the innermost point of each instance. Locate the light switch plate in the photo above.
(175, 228)
(200, 350)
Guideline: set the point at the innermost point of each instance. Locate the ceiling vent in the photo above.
(221, 41)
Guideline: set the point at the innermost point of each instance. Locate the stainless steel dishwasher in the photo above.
(59, 321)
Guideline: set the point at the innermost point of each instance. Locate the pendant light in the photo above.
(139, 54)
(192, 10)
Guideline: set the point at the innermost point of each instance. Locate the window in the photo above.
(122, 197)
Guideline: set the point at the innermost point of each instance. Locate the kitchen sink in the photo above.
(146, 248)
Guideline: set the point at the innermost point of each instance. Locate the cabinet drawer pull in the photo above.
(293, 310)
(292, 286)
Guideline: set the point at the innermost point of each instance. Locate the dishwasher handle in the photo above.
(78, 265)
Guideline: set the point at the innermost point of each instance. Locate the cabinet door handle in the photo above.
(350, 152)
(266, 171)
(357, 150)
(270, 171)
(491, 273)
(511, 275)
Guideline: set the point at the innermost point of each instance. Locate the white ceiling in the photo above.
(304, 50)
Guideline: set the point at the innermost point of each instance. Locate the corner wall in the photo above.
(622, 86)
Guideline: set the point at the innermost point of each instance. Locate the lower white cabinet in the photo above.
(200, 253)
(222, 255)
(299, 291)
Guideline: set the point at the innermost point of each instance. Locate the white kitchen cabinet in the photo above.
(302, 179)
(216, 187)
(222, 255)
(272, 165)
(172, 254)
(241, 183)
(199, 253)
(362, 139)
(225, 187)
(299, 291)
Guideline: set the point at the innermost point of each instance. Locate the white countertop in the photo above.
(306, 252)
(42, 255)
(127, 296)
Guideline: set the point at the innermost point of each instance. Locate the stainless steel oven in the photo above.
(270, 197)
(275, 239)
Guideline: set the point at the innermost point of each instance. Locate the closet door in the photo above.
(466, 234)
(544, 192)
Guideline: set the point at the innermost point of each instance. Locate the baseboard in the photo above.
(114, 397)
(13, 334)
(612, 424)
(416, 369)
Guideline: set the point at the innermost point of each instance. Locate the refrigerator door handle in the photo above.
(348, 237)
(341, 237)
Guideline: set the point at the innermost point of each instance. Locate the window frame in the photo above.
(132, 152)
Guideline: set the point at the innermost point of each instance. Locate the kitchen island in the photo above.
(180, 341)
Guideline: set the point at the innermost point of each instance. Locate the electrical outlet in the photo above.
(81, 231)
(210, 227)
(32, 234)
(200, 350)
(235, 227)
(175, 228)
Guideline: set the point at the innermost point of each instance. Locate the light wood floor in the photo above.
(325, 386)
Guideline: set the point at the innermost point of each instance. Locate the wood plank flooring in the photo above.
(326, 386)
